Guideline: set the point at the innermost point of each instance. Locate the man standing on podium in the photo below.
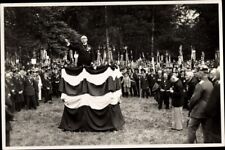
(81, 51)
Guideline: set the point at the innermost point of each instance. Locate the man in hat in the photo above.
(164, 91)
(29, 91)
(198, 104)
(191, 83)
(83, 50)
(144, 84)
(177, 96)
(213, 112)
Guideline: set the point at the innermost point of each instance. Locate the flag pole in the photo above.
(107, 33)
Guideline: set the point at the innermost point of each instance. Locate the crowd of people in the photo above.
(191, 89)
(177, 86)
(194, 89)
(26, 87)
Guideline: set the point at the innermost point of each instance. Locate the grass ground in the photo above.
(144, 124)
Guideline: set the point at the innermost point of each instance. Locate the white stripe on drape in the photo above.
(96, 79)
(95, 102)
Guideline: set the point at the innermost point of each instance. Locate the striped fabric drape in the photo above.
(88, 92)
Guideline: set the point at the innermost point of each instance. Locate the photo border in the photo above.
(5, 5)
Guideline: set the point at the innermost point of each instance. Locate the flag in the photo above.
(161, 59)
(126, 58)
(91, 99)
(157, 57)
(203, 58)
(153, 64)
(104, 57)
(193, 54)
(143, 55)
(110, 56)
(131, 55)
(167, 59)
(76, 55)
(181, 53)
(99, 59)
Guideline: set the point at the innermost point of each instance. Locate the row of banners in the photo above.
(107, 57)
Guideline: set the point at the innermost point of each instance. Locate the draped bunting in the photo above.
(86, 119)
(95, 102)
(91, 98)
(101, 77)
(86, 87)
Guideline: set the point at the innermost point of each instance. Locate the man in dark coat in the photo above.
(47, 88)
(19, 95)
(197, 106)
(35, 78)
(8, 113)
(85, 53)
(55, 83)
(177, 96)
(10, 81)
(151, 81)
(191, 83)
(164, 91)
(158, 79)
(144, 84)
(136, 79)
(29, 91)
(213, 112)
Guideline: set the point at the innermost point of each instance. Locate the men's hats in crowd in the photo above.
(204, 69)
(83, 37)
(143, 70)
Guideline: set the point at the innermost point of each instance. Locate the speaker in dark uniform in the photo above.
(83, 50)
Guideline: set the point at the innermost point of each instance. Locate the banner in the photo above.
(153, 64)
(157, 57)
(179, 60)
(203, 58)
(181, 53)
(193, 55)
(33, 61)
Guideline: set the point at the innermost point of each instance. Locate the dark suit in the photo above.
(8, 113)
(144, 86)
(86, 54)
(29, 93)
(197, 106)
(136, 79)
(199, 99)
(156, 92)
(164, 95)
(36, 91)
(190, 90)
(178, 95)
(151, 81)
(19, 95)
(47, 89)
(213, 114)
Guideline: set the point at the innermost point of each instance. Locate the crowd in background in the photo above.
(196, 89)
(174, 86)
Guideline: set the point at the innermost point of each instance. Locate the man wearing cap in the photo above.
(198, 104)
(177, 96)
(29, 91)
(191, 83)
(83, 51)
(213, 112)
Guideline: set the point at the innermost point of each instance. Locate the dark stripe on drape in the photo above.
(74, 71)
(84, 87)
(87, 119)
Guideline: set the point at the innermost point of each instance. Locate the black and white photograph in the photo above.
(123, 74)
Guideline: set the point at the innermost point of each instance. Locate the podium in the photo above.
(91, 99)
